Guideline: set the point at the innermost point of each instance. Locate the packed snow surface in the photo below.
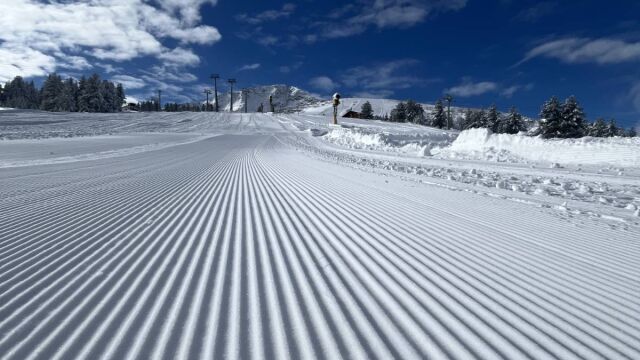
(252, 236)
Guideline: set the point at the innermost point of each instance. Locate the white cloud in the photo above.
(352, 20)
(585, 50)
(25, 62)
(389, 75)
(249, 67)
(323, 83)
(508, 92)
(62, 33)
(269, 15)
(468, 88)
(180, 57)
(129, 82)
(537, 12)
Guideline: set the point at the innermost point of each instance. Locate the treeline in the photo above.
(568, 120)
(194, 107)
(558, 120)
(56, 94)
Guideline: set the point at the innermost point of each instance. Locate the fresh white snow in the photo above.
(250, 236)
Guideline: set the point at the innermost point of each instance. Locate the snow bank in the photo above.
(481, 144)
(369, 139)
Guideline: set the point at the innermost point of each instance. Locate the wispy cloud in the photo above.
(129, 82)
(468, 88)
(509, 91)
(354, 19)
(537, 11)
(266, 16)
(249, 67)
(585, 50)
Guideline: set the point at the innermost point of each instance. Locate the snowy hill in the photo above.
(285, 99)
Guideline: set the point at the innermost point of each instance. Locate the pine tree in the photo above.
(474, 119)
(551, 118)
(611, 129)
(438, 117)
(120, 97)
(83, 98)
(51, 96)
(399, 113)
(512, 123)
(415, 112)
(366, 112)
(492, 119)
(573, 123)
(109, 97)
(598, 128)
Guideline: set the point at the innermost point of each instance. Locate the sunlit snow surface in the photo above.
(281, 236)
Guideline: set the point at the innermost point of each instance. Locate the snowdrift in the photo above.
(372, 139)
(481, 144)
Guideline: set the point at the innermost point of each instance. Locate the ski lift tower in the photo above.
(336, 102)
(231, 82)
(215, 78)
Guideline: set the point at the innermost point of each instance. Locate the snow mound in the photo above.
(481, 144)
(369, 139)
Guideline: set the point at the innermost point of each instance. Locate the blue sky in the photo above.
(508, 52)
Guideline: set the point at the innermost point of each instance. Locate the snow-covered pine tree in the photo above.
(611, 129)
(366, 111)
(551, 118)
(415, 112)
(573, 119)
(438, 117)
(492, 119)
(598, 128)
(512, 123)
(399, 113)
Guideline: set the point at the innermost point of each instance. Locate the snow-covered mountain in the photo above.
(289, 99)
(285, 99)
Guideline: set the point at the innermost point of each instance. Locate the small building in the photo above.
(351, 114)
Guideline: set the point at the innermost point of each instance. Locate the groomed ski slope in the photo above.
(244, 246)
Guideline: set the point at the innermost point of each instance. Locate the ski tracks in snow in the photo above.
(238, 247)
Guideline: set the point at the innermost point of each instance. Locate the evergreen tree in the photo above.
(611, 129)
(399, 113)
(573, 123)
(93, 94)
(474, 119)
(438, 117)
(70, 95)
(109, 97)
(52, 94)
(366, 112)
(512, 123)
(2, 96)
(551, 118)
(492, 119)
(415, 112)
(120, 97)
(598, 128)
(83, 98)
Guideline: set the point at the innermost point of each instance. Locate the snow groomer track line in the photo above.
(242, 246)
